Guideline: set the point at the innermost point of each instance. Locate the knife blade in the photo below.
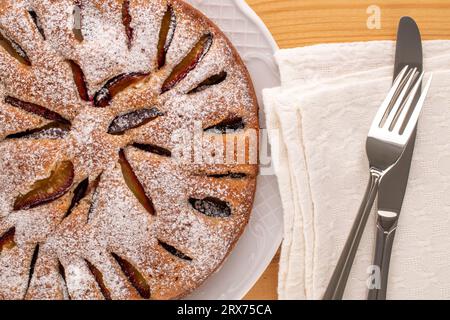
(393, 186)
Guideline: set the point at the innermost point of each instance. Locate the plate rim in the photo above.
(253, 16)
(272, 249)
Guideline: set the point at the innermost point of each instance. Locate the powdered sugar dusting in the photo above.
(110, 219)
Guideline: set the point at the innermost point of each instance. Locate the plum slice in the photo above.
(98, 276)
(211, 81)
(83, 189)
(93, 188)
(62, 273)
(133, 120)
(53, 130)
(61, 270)
(77, 21)
(48, 189)
(80, 80)
(226, 126)
(189, 63)
(231, 175)
(114, 86)
(166, 33)
(32, 266)
(7, 240)
(78, 194)
(126, 20)
(14, 50)
(37, 22)
(134, 184)
(211, 207)
(153, 149)
(37, 110)
(173, 251)
(134, 276)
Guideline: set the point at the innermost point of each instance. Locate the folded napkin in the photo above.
(318, 122)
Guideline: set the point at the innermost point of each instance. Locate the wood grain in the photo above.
(304, 22)
(266, 288)
(295, 23)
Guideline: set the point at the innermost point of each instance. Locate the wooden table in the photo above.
(296, 23)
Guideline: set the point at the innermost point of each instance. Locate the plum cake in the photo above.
(98, 100)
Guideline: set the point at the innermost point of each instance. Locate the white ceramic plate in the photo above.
(263, 236)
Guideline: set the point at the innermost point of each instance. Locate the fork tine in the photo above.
(401, 98)
(412, 123)
(395, 97)
(387, 102)
(407, 105)
(401, 75)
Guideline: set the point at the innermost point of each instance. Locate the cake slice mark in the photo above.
(7, 240)
(98, 276)
(77, 21)
(126, 20)
(62, 273)
(37, 22)
(211, 207)
(135, 277)
(133, 120)
(134, 184)
(53, 130)
(166, 33)
(116, 85)
(227, 126)
(48, 189)
(174, 251)
(37, 110)
(15, 50)
(80, 80)
(32, 267)
(78, 194)
(211, 81)
(153, 149)
(189, 62)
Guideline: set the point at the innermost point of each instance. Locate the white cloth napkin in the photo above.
(318, 122)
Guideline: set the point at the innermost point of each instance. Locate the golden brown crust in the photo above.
(200, 207)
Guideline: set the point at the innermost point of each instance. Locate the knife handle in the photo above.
(386, 229)
(338, 282)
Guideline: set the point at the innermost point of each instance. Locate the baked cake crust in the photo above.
(88, 118)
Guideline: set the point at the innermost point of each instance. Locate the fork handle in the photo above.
(338, 282)
(386, 228)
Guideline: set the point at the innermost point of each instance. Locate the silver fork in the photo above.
(386, 142)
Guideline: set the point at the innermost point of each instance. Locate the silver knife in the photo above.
(393, 186)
